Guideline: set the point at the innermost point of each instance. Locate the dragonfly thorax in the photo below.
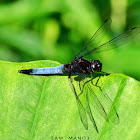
(80, 66)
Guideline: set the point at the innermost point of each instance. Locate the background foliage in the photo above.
(57, 30)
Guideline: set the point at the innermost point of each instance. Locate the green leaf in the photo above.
(39, 107)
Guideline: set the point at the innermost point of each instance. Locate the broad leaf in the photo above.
(43, 108)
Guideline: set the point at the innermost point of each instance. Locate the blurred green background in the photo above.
(58, 29)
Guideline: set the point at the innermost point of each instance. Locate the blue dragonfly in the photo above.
(85, 68)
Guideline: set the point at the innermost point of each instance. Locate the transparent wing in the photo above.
(81, 109)
(94, 100)
(82, 112)
(96, 38)
(88, 109)
(113, 115)
(116, 42)
(102, 103)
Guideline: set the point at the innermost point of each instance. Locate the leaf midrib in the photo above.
(36, 111)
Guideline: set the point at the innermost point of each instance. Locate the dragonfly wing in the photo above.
(82, 112)
(88, 109)
(102, 103)
(95, 101)
(117, 41)
(96, 38)
(113, 115)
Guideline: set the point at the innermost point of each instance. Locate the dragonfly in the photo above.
(86, 68)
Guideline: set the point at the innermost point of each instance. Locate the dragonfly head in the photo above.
(96, 66)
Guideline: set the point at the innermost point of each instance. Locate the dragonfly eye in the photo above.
(96, 66)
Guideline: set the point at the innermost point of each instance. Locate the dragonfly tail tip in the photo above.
(26, 71)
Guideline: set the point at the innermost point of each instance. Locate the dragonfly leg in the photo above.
(96, 82)
(106, 73)
(80, 85)
(72, 86)
(81, 80)
(70, 73)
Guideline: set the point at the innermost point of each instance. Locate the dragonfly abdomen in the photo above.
(44, 71)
